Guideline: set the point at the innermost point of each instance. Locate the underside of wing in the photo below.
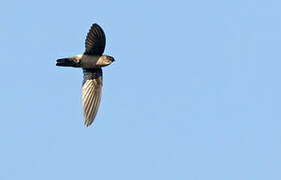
(95, 41)
(91, 94)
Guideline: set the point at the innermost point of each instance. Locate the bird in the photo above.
(91, 61)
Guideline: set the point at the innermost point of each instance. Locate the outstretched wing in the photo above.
(91, 94)
(95, 41)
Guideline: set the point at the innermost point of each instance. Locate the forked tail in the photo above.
(67, 62)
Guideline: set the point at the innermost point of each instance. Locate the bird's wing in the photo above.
(95, 41)
(91, 93)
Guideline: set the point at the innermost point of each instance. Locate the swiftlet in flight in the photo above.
(91, 61)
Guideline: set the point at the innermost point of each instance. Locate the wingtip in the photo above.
(87, 123)
(95, 24)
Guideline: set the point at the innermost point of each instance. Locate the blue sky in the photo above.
(194, 92)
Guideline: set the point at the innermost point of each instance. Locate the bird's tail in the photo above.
(67, 62)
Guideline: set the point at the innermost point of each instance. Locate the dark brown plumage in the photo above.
(95, 41)
(91, 61)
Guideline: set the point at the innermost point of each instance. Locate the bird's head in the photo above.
(105, 60)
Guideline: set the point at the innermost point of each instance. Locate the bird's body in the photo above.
(91, 61)
(88, 61)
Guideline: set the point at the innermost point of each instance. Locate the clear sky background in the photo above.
(194, 93)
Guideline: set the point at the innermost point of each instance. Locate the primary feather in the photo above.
(95, 41)
(91, 93)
